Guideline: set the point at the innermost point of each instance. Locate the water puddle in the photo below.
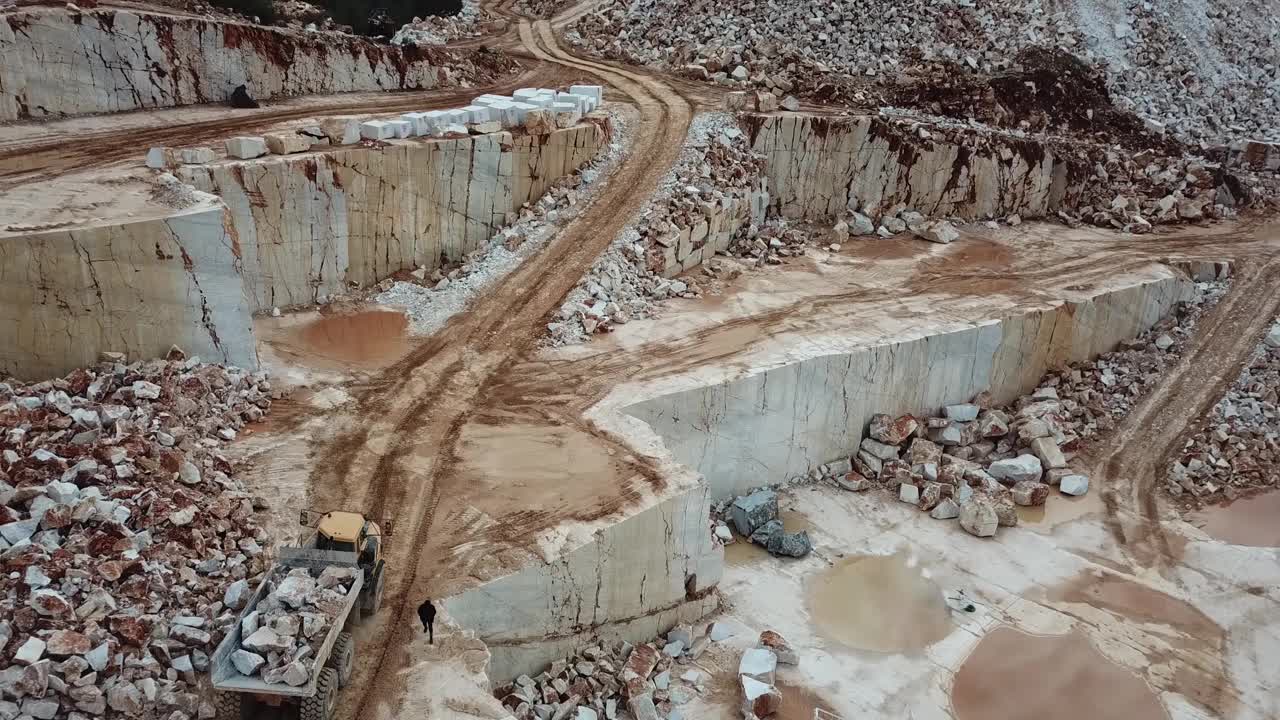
(745, 552)
(1189, 661)
(370, 337)
(1034, 677)
(1061, 509)
(881, 603)
(1252, 521)
(800, 703)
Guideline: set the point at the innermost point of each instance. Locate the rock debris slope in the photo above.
(123, 534)
(1204, 71)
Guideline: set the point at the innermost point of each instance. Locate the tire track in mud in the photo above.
(398, 461)
(1128, 465)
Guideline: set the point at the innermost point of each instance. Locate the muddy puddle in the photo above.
(367, 339)
(879, 603)
(1252, 521)
(1061, 509)
(745, 552)
(799, 703)
(1190, 658)
(1012, 675)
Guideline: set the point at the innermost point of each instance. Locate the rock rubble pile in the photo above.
(471, 21)
(279, 638)
(1239, 447)
(976, 463)
(1205, 73)
(122, 527)
(755, 517)
(648, 681)
(716, 169)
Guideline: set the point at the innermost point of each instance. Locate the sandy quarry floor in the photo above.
(1065, 625)
(532, 411)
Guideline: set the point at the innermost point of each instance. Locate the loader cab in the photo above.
(350, 532)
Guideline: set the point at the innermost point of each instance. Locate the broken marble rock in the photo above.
(107, 455)
(753, 511)
(889, 431)
(1074, 485)
(778, 645)
(759, 663)
(1013, 470)
(938, 231)
(795, 545)
(978, 517)
(759, 699)
(1028, 493)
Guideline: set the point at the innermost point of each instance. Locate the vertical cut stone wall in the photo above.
(772, 425)
(136, 288)
(55, 63)
(630, 583)
(822, 167)
(309, 224)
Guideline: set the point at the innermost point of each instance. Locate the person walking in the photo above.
(427, 613)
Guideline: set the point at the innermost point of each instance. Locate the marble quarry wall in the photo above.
(55, 63)
(634, 580)
(136, 288)
(777, 423)
(309, 224)
(822, 167)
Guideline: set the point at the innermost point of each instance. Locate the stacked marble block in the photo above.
(560, 109)
(491, 113)
(536, 109)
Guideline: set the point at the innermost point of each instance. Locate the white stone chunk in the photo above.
(1023, 467)
(522, 110)
(287, 143)
(525, 93)
(758, 663)
(377, 130)
(477, 114)
(158, 158)
(197, 156)
(246, 148)
(1074, 485)
(418, 121)
(402, 128)
(595, 92)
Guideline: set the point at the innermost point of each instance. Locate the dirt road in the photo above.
(396, 457)
(1130, 465)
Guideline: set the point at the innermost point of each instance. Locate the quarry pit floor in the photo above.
(540, 454)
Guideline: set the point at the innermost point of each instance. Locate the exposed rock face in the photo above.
(719, 426)
(833, 167)
(137, 287)
(368, 213)
(669, 578)
(56, 63)
(825, 167)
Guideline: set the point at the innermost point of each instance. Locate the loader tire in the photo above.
(375, 598)
(226, 706)
(342, 659)
(321, 705)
